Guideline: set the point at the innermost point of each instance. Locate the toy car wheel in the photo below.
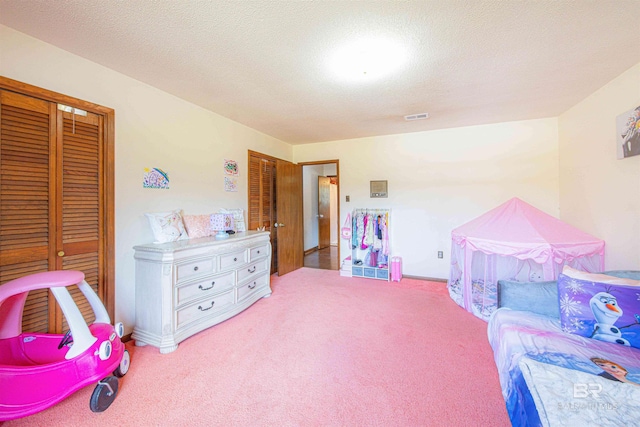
(104, 394)
(122, 370)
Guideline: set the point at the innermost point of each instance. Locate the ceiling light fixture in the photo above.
(367, 59)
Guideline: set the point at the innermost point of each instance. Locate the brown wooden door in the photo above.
(54, 209)
(289, 216)
(324, 212)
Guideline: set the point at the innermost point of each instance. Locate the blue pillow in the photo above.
(536, 297)
(624, 274)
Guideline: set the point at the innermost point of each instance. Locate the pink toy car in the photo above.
(39, 370)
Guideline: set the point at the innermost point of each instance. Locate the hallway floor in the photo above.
(325, 259)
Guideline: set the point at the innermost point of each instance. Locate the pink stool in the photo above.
(396, 269)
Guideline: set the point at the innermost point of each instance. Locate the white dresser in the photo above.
(186, 286)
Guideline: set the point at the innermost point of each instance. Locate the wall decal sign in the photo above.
(230, 184)
(231, 167)
(155, 178)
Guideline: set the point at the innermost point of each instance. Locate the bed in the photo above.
(551, 375)
(523, 341)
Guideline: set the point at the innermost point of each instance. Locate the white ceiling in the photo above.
(265, 63)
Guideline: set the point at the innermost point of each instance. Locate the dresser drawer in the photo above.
(194, 269)
(232, 260)
(200, 288)
(255, 284)
(251, 270)
(204, 308)
(258, 252)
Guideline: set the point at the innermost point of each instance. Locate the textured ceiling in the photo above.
(266, 63)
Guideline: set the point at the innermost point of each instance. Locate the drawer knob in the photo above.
(252, 286)
(258, 251)
(208, 308)
(195, 268)
(206, 289)
(235, 259)
(252, 270)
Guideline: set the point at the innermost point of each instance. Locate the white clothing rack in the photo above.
(358, 255)
(371, 211)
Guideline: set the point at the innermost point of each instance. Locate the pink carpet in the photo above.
(323, 350)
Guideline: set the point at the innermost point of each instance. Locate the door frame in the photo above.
(337, 163)
(108, 294)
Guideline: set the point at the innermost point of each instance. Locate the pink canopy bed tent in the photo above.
(517, 242)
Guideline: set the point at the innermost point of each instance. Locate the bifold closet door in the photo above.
(27, 205)
(261, 213)
(51, 201)
(79, 194)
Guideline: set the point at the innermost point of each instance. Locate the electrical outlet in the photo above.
(440, 254)
(348, 199)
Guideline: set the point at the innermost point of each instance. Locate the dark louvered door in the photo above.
(78, 243)
(255, 192)
(26, 203)
(52, 201)
(262, 199)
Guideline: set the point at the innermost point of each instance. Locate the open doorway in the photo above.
(321, 214)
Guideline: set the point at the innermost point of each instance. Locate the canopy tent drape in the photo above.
(514, 241)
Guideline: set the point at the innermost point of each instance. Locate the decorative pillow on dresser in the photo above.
(198, 226)
(601, 307)
(167, 226)
(221, 222)
(238, 218)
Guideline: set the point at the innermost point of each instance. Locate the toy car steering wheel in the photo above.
(66, 339)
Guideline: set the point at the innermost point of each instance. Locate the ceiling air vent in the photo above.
(420, 116)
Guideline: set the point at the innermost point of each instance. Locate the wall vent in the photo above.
(420, 116)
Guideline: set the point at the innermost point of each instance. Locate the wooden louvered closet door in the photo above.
(262, 197)
(78, 199)
(27, 228)
(52, 201)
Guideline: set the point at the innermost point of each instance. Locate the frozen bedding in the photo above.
(567, 397)
(552, 378)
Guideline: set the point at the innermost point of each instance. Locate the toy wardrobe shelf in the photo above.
(370, 244)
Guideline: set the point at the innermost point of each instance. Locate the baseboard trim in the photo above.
(427, 279)
(310, 251)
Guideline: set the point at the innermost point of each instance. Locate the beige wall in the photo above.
(437, 180)
(153, 129)
(598, 192)
(441, 179)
